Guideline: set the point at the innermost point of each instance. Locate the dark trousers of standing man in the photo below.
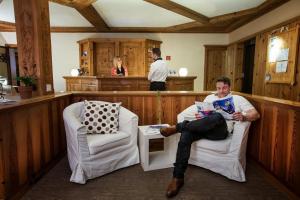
(212, 127)
(154, 86)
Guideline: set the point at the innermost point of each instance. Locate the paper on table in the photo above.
(155, 129)
(6, 101)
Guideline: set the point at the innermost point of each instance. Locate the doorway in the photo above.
(249, 56)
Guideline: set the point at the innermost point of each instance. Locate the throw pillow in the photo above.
(101, 117)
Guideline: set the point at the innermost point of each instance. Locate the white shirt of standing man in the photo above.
(158, 71)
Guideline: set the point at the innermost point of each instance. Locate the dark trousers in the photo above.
(154, 86)
(212, 127)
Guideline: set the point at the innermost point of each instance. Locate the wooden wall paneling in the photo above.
(63, 103)
(229, 69)
(8, 154)
(136, 105)
(55, 121)
(123, 99)
(238, 68)
(104, 52)
(255, 133)
(36, 138)
(132, 54)
(278, 90)
(281, 149)
(150, 110)
(214, 67)
(2, 190)
(268, 128)
(27, 145)
(47, 139)
(168, 113)
(293, 174)
(259, 66)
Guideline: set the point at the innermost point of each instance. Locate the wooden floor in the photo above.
(134, 183)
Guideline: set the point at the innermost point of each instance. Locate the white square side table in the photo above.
(158, 159)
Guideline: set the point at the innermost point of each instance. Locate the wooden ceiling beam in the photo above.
(87, 10)
(91, 14)
(75, 3)
(7, 26)
(185, 26)
(263, 8)
(181, 10)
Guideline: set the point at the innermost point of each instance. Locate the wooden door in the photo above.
(214, 67)
(234, 67)
(131, 53)
(104, 53)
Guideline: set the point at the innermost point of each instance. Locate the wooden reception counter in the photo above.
(132, 83)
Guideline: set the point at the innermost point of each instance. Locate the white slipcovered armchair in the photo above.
(93, 155)
(226, 157)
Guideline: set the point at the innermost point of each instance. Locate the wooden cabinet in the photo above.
(89, 83)
(96, 55)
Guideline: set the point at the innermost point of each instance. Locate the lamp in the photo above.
(183, 71)
(74, 72)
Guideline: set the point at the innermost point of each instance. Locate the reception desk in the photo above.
(134, 83)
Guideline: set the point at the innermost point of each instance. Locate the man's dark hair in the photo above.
(156, 51)
(224, 79)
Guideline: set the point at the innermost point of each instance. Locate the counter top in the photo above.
(126, 77)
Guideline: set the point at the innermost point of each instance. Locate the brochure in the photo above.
(225, 106)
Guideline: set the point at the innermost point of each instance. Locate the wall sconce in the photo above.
(74, 72)
(183, 71)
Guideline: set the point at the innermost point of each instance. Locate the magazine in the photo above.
(225, 106)
(155, 129)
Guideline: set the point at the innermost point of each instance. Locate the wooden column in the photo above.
(34, 42)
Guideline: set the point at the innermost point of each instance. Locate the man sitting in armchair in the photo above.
(211, 127)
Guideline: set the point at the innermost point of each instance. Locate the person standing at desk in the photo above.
(158, 72)
(118, 69)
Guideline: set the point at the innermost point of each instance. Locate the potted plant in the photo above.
(27, 82)
(25, 89)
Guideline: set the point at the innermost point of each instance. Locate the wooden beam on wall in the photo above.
(181, 10)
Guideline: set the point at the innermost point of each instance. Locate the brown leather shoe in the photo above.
(167, 131)
(174, 187)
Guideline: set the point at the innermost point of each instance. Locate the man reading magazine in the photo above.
(209, 124)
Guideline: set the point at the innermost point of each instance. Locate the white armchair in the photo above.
(93, 155)
(226, 157)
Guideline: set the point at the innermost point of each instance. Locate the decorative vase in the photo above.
(25, 92)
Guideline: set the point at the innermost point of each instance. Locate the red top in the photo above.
(122, 72)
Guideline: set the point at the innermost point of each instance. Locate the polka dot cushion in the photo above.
(101, 118)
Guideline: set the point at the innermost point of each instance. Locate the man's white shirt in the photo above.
(158, 71)
(240, 103)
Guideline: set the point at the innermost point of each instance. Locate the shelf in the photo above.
(160, 159)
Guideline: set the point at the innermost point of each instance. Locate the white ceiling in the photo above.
(211, 8)
(134, 13)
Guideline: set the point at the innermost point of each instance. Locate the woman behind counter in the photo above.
(118, 69)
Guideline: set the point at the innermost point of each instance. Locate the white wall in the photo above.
(283, 13)
(2, 40)
(186, 50)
